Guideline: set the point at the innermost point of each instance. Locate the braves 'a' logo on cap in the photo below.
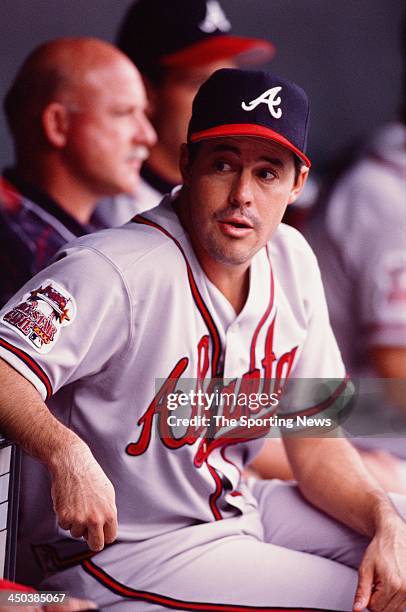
(269, 97)
(215, 19)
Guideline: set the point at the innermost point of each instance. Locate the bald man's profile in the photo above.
(75, 111)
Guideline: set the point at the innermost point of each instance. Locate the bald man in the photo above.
(76, 114)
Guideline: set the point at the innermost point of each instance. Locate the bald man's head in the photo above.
(56, 71)
(77, 107)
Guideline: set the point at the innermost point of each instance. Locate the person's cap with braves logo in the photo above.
(185, 33)
(251, 103)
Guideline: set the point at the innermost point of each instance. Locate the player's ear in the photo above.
(55, 124)
(184, 163)
(299, 184)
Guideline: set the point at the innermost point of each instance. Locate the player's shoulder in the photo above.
(377, 177)
(296, 272)
(141, 244)
(294, 264)
(289, 245)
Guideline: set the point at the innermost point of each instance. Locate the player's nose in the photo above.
(241, 190)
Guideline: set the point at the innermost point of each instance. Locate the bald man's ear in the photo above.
(299, 184)
(55, 123)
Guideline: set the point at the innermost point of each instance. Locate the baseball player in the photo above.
(207, 296)
(374, 187)
(375, 321)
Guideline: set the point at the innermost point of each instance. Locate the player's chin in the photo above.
(234, 256)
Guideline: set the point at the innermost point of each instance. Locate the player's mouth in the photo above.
(236, 227)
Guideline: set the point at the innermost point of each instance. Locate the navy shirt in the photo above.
(33, 227)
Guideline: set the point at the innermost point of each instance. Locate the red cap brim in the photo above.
(249, 51)
(249, 129)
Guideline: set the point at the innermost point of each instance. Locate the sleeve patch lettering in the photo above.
(39, 317)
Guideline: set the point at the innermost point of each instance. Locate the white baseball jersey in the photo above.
(126, 317)
(359, 239)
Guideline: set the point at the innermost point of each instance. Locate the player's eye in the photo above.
(220, 165)
(266, 174)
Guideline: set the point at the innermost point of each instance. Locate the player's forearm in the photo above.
(25, 419)
(82, 495)
(334, 478)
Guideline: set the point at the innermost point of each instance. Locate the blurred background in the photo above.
(346, 54)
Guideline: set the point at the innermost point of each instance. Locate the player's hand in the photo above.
(382, 573)
(83, 497)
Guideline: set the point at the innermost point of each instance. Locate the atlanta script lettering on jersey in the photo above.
(269, 379)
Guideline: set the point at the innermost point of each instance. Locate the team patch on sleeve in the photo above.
(39, 317)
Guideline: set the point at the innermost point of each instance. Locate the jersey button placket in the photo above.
(232, 361)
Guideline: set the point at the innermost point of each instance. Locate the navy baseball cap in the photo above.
(251, 103)
(184, 33)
